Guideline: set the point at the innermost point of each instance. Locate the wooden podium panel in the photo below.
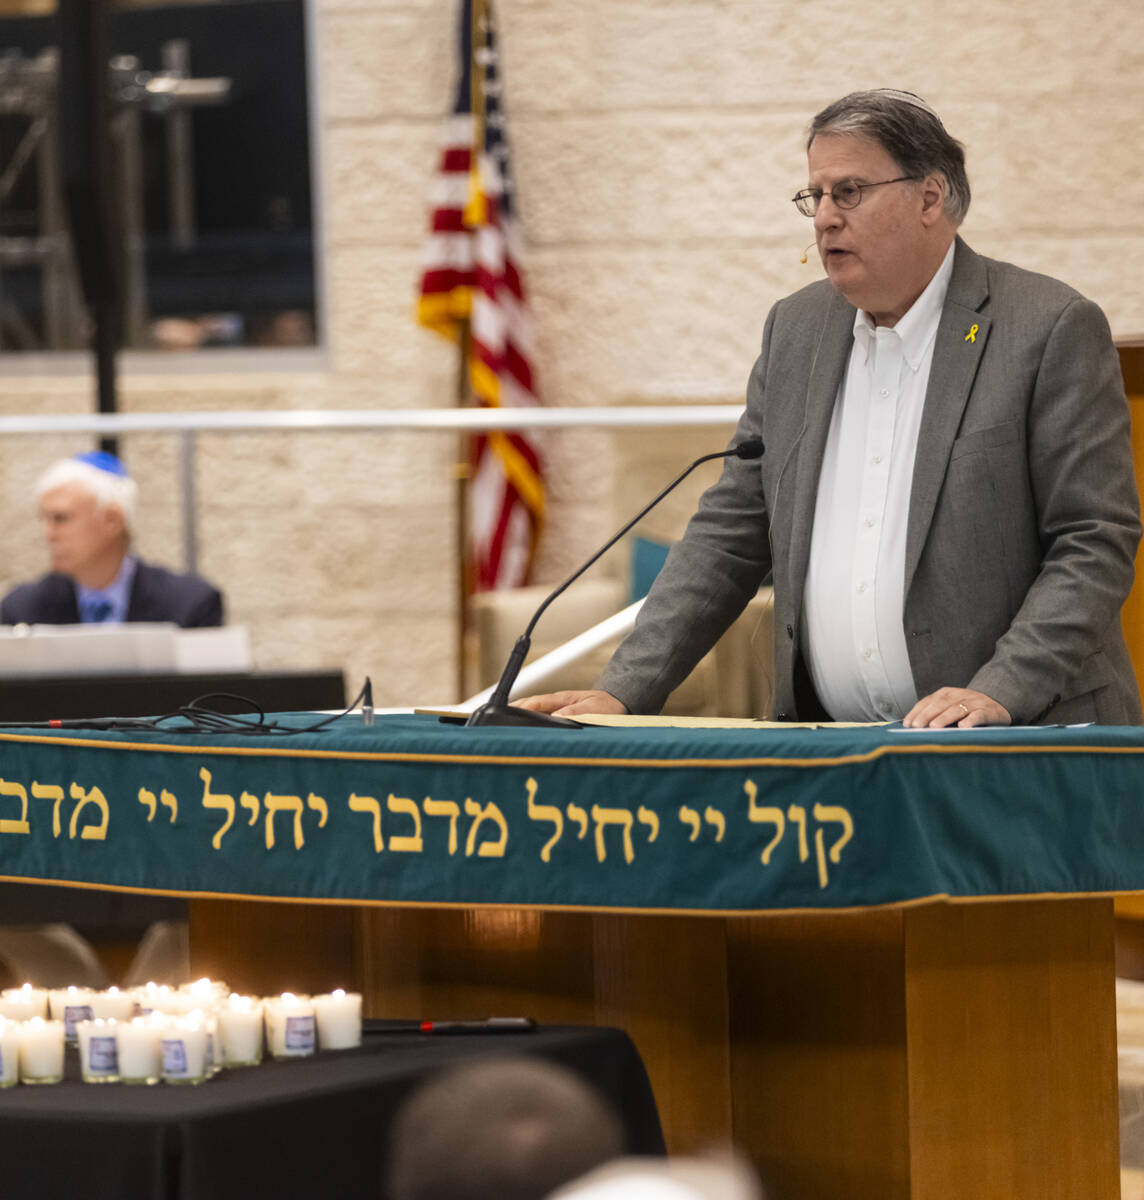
(897, 1054)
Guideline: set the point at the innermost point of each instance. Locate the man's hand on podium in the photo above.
(571, 704)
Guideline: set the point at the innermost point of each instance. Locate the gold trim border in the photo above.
(560, 761)
(630, 910)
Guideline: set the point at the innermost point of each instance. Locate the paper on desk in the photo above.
(668, 722)
(980, 728)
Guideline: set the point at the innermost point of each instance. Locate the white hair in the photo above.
(109, 490)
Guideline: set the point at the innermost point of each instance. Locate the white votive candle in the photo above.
(183, 1045)
(98, 1055)
(137, 1045)
(41, 1051)
(71, 1005)
(206, 991)
(173, 1002)
(240, 1031)
(9, 1052)
(114, 1005)
(24, 1003)
(339, 1020)
(289, 1025)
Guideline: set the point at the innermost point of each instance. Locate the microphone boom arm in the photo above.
(498, 711)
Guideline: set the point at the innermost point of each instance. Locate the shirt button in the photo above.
(884, 393)
(861, 587)
(867, 653)
(876, 459)
(869, 522)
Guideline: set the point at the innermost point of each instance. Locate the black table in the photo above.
(306, 1128)
(42, 697)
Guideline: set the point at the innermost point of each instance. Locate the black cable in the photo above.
(203, 720)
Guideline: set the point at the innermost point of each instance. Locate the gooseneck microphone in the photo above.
(498, 711)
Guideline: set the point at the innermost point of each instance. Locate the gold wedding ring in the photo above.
(964, 707)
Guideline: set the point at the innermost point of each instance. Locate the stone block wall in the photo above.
(656, 144)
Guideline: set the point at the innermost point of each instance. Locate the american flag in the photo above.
(472, 276)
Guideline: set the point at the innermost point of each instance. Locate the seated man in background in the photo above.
(86, 507)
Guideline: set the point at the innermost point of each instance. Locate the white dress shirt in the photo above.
(852, 628)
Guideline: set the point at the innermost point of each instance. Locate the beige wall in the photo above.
(656, 144)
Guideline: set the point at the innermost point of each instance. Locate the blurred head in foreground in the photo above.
(667, 1179)
(503, 1128)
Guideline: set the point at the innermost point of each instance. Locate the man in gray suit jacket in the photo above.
(946, 503)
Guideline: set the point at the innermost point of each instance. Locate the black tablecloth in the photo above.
(306, 1128)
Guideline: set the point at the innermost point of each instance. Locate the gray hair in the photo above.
(110, 491)
(909, 131)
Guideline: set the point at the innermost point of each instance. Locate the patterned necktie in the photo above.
(96, 611)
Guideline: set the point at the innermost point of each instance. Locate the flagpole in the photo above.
(464, 566)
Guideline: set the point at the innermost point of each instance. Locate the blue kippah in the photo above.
(102, 461)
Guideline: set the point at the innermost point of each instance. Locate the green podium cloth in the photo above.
(413, 811)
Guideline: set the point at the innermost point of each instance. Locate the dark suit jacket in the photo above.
(156, 595)
(1023, 518)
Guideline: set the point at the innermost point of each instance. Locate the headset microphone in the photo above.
(806, 253)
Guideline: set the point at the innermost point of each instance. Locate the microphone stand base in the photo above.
(509, 714)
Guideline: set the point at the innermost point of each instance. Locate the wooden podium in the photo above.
(917, 1053)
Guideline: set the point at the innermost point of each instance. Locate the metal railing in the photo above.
(188, 425)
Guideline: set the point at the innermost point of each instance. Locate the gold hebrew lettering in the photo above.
(276, 804)
(85, 797)
(764, 814)
(17, 824)
(613, 816)
(577, 814)
(50, 791)
(167, 799)
(830, 814)
(544, 812)
(445, 808)
(320, 807)
(217, 800)
(367, 804)
(646, 817)
(254, 804)
(150, 800)
(714, 817)
(690, 817)
(797, 814)
(480, 815)
(409, 843)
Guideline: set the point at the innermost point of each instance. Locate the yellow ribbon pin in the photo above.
(971, 336)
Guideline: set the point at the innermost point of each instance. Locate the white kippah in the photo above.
(906, 98)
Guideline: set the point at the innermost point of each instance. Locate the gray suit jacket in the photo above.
(1023, 519)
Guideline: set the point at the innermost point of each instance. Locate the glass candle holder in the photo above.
(339, 1019)
(98, 1051)
(24, 1003)
(70, 1005)
(289, 1025)
(183, 1045)
(113, 1004)
(240, 1031)
(41, 1051)
(137, 1045)
(9, 1052)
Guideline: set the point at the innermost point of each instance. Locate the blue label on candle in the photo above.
(73, 1014)
(174, 1056)
(300, 1034)
(101, 1055)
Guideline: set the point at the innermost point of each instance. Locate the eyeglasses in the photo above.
(845, 194)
